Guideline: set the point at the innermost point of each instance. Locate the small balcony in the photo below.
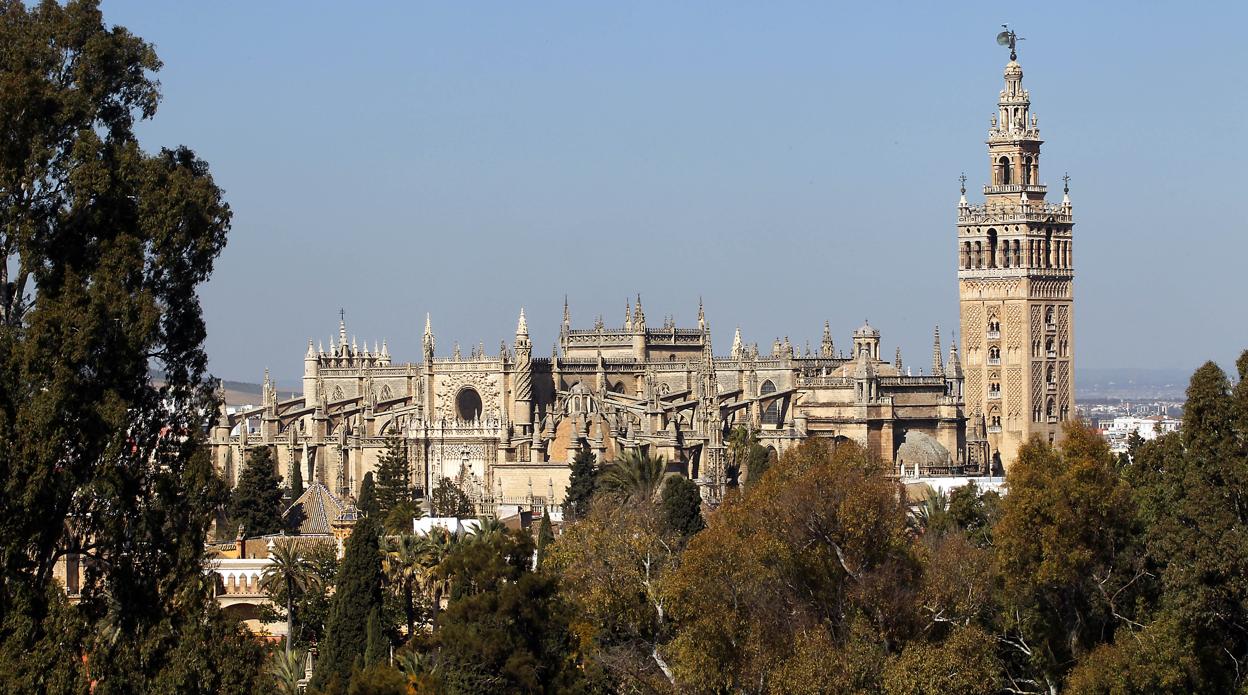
(997, 360)
(994, 429)
(994, 395)
(1051, 386)
(1051, 353)
(1050, 327)
(994, 335)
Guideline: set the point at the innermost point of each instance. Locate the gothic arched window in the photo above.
(992, 248)
(1027, 171)
(771, 414)
(1004, 163)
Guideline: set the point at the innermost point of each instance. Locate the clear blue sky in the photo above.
(789, 162)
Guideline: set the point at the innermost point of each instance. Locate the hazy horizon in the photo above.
(788, 163)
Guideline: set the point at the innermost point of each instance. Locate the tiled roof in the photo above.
(314, 511)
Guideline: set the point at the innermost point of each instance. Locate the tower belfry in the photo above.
(1015, 285)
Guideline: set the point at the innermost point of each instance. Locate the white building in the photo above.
(1120, 429)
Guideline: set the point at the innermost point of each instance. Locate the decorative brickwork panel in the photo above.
(1014, 326)
(1063, 383)
(1037, 389)
(973, 325)
(1014, 378)
(974, 389)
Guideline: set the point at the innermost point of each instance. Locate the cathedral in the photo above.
(506, 425)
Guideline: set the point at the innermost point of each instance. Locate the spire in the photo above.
(522, 326)
(311, 352)
(825, 345)
(639, 317)
(938, 368)
(342, 327)
(701, 316)
(962, 201)
(1066, 189)
(737, 349)
(567, 315)
(955, 364)
(427, 340)
(628, 316)
(897, 360)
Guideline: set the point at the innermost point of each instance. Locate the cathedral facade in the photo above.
(507, 424)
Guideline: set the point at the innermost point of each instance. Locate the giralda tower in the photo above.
(1015, 286)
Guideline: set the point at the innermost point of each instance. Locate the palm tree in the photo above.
(403, 564)
(286, 670)
(487, 528)
(636, 476)
(287, 570)
(436, 546)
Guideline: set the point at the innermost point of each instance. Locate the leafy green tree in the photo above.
(817, 550)
(682, 506)
(393, 476)
(368, 504)
(506, 628)
(356, 596)
(102, 249)
(582, 485)
(377, 679)
(635, 477)
(1190, 487)
(289, 571)
(256, 504)
(312, 603)
(449, 500)
(965, 663)
(1064, 548)
(545, 536)
(974, 512)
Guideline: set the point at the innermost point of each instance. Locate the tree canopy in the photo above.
(103, 246)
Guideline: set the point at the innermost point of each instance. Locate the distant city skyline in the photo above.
(469, 160)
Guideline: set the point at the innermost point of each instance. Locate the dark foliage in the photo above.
(682, 506)
(356, 597)
(256, 504)
(582, 485)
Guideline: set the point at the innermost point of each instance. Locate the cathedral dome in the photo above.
(1013, 69)
(866, 331)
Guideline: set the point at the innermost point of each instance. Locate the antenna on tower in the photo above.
(1009, 38)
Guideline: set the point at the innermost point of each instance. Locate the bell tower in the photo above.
(1015, 285)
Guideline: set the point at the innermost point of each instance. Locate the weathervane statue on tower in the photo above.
(1009, 38)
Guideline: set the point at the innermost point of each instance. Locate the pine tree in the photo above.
(393, 476)
(450, 500)
(682, 506)
(545, 536)
(368, 497)
(581, 486)
(356, 597)
(256, 504)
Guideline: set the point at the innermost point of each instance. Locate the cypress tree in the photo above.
(581, 486)
(368, 497)
(682, 506)
(257, 501)
(357, 596)
(296, 480)
(375, 649)
(545, 536)
(393, 476)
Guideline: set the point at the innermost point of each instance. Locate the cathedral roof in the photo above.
(313, 512)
